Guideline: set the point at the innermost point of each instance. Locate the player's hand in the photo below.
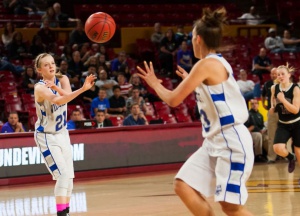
(181, 72)
(148, 74)
(89, 82)
(280, 96)
(50, 84)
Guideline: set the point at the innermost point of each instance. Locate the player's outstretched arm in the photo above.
(181, 72)
(42, 93)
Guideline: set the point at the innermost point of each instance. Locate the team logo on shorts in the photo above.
(218, 190)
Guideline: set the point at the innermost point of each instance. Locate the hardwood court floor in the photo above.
(272, 192)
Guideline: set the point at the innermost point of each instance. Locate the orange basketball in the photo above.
(100, 27)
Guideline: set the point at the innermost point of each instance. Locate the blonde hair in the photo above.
(287, 67)
(37, 64)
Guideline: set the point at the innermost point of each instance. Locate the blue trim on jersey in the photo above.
(226, 120)
(217, 54)
(233, 188)
(218, 97)
(40, 128)
(43, 113)
(53, 167)
(51, 157)
(237, 166)
(46, 153)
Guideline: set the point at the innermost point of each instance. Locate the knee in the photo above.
(278, 148)
(178, 186)
(229, 208)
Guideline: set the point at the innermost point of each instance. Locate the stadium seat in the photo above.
(183, 118)
(27, 98)
(116, 120)
(149, 108)
(11, 99)
(168, 119)
(8, 87)
(7, 76)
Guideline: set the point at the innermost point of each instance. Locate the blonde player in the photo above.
(224, 162)
(52, 94)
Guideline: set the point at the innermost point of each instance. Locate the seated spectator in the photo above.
(90, 94)
(102, 51)
(17, 49)
(50, 16)
(135, 98)
(168, 49)
(248, 88)
(47, 35)
(15, 69)
(92, 60)
(8, 31)
(103, 82)
(255, 125)
(261, 64)
(76, 64)
(67, 53)
(100, 103)
(101, 120)
(275, 43)
(37, 47)
(78, 35)
(30, 79)
(185, 57)
(103, 63)
(76, 115)
(91, 70)
(290, 42)
(118, 63)
(24, 7)
(252, 18)
(136, 117)
(13, 125)
(117, 103)
(180, 35)
(73, 78)
(124, 85)
(62, 18)
(157, 35)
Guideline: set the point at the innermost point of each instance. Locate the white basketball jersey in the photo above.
(52, 118)
(221, 105)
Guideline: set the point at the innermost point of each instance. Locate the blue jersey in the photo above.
(221, 105)
(52, 118)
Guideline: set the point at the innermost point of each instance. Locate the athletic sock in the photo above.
(60, 207)
(290, 156)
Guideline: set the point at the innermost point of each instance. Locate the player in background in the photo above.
(285, 100)
(224, 162)
(52, 94)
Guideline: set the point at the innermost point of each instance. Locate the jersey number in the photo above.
(61, 120)
(204, 120)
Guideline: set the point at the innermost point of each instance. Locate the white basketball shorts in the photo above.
(221, 166)
(57, 152)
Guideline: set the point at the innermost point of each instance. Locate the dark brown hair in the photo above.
(210, 27)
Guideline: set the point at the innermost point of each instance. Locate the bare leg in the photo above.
(193, 200)
(234, 209)
(297, 153)
(61, 199)
(280, 149)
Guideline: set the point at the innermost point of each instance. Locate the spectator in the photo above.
(135, 98)
(248, 88)
(78, 36)
(67, 53)
(136, 117)
(180, 35)
(275, 43)
(118, 63)
(91, 70)
(76, 115)
(103, 82)
(62, 18)
(185, 57)
(125, 86)
(30, 79)
(255, 125)
(13, 125)
(157, 35)
(261, 64)
(50, 16)
(103, 63)
(252, 18)
(103, 51)
(117, 103)
(272, 117)
(101, 120)
(37, 47)
(92, 60)
(24, 7)
(17, 49)
(90, 94)
(47, 35)
(15, 69)
(168, 49)
(290, 42)
(76, 64)
(73, 78)
(8, 31)
(100, 103)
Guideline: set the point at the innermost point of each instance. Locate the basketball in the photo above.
(100, 27)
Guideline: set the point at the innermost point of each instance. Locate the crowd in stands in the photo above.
(119, 97)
